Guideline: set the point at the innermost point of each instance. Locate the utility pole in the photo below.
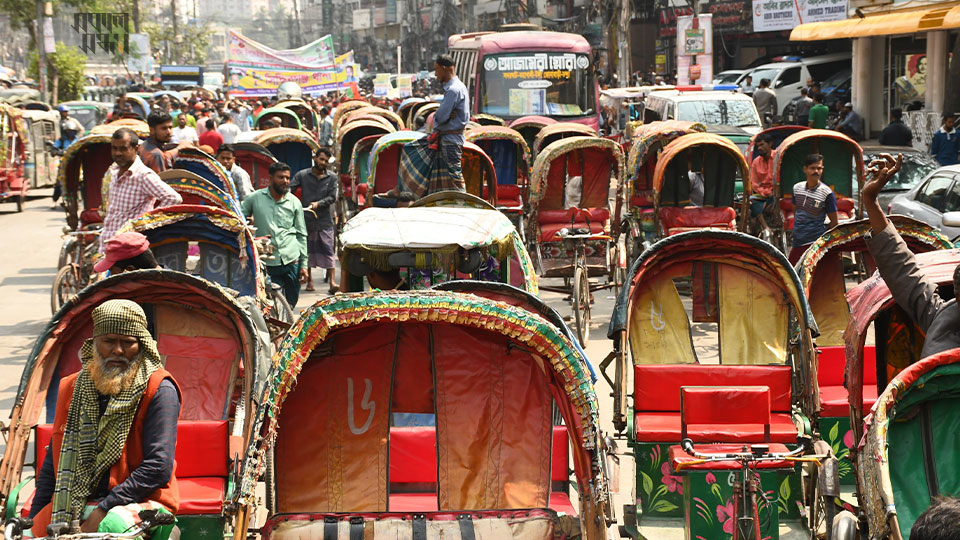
(175, 57)
(136, 16)
(42, 67)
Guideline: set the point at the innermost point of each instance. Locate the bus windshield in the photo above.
(547, 84)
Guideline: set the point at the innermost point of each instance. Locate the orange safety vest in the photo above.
(130, 458)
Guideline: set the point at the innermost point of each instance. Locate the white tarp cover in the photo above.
(425, 228)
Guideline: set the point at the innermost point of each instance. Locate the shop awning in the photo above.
(885, 24)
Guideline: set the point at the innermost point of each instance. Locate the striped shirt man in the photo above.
(132, 194)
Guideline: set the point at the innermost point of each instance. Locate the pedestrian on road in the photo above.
(813, 201)
(896, 133)
(229, 131)
(318, 193)
(134, 188)
(326, 127)
(803, 107)
(211, 137)
(227, 157)
(819, 112)
(852, 123)
(946, 142)
(121, 395)
(278, 214)
(183, 132)
(70, 130)
(747, 86)
(766, 101)
(152, 151)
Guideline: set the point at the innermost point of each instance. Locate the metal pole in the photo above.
(42, 67)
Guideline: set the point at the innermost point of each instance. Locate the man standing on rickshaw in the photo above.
(813, 201)
(433, 163)
(761, 179)
(114, 433)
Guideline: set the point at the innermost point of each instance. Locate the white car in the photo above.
(789, 74)
(714, 108)
(931, 198)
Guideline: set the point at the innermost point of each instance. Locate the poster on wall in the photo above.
(772, 15)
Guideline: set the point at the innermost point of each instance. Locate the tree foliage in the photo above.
(69, 63)
(191, 49)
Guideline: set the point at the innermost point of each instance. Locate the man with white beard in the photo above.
(114, 432)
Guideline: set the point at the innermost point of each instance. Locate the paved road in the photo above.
(31, 242)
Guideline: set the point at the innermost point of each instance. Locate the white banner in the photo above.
(769, 15)
(139, 58)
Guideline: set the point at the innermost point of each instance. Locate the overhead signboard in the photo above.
(773, 15)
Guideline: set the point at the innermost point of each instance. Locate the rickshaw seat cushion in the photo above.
(201, 495)
(89, 216)
(413, 455)
(692, 217)
(723, 405)
(845, 204)
(834, 399)
(560, 503)
(657, 387)
(657, 399)
(550, 232)
(681, 461)
(508, 195)
(414, 502)
(639, 201)
(552, 221)
(666, 427)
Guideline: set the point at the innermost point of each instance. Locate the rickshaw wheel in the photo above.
(822, 508)
(581, 304)
(66, 284)
(67, 253)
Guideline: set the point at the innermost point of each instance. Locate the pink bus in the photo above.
(523, 73)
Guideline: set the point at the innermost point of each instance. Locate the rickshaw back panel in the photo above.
(507, 474)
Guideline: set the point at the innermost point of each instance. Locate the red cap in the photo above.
(121, 247)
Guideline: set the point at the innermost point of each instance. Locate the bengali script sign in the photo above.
(247, 52)
(771, 15)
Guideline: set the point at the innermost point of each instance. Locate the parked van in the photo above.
(711, 107)
(790, 73)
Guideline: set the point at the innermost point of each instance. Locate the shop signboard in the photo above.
(696, 43)
(773, 15)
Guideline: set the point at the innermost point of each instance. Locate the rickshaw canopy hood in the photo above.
(604, 154)
(531, 121)
(839, 164)
(557, 364)
(284, 135)
(561, 129)
(499, 133)
(647, 135)
(705, 246)
(279, 111)
(692, 140)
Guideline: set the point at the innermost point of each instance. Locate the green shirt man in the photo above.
(278, 214)
(818, 115)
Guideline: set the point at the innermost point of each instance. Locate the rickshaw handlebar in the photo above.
(750, 453)
(14, 528)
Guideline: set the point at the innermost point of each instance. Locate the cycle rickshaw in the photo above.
(778, 133)
(294, 147)
(210, 343)
(442, 237)
(511, 160)
(717, 162)
(748, 383)
(843, 171)
(571, 215)
(888, 488)
(255, 159)
(825, 270)
(530, 126)
(287, 117)
(407, 106)
(484, 119)
(648, 143)
(561, 130)
(308, 118)
(14, 183)
(414, 463)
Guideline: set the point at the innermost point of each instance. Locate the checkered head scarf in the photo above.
(91, 443)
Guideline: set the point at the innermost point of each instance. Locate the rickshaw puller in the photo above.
(937, 317)
(115, 431)
(761, 179)
(813, 201)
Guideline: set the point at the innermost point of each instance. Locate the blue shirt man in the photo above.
(946, 142)
(451, 118)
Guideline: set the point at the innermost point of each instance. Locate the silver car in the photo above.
(927, 201)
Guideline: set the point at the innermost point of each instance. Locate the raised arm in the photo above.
(895, 262)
